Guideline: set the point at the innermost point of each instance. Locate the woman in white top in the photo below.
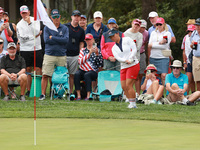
(160, 40)
(124, 50)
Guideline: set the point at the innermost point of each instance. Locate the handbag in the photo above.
(167, 52)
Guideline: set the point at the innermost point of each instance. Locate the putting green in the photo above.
(98, 134)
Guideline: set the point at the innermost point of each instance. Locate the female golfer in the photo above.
(125, 51)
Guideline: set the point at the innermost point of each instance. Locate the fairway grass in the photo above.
(98, 134)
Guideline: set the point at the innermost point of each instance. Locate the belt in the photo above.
(142, 52)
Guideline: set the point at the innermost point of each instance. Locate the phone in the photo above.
(148, 71)
(94, 45)
(5, 20)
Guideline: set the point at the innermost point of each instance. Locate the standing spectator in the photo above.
(195, 45)
(90, 59)
(159, 41)
(26, 28)
(97, 28)
(55, 49)
(137, 37)
(76, 42)
(2, 51)
(110, 62)
(5, 31)
(176, 85)
(13, 70)
(83, 22)
(12, 27)
(125, 51)
(186, 51)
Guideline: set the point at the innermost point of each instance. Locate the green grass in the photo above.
(98, 110)
(98, 134)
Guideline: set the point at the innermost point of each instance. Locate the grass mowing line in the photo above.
(98, 134)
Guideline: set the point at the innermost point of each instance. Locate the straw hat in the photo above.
(191, 21)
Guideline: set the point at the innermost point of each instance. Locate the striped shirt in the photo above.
(88, 61)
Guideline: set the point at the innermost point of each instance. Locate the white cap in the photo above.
(143, 24)
(153, 14)
(97, 14)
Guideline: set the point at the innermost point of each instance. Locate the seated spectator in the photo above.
(13, 70)
(90, 59)
(177, 84)
(151, 84)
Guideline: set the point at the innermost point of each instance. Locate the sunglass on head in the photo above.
(54, 17)
(176, 67)
(158, 24)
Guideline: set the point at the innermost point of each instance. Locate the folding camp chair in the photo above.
(108, 86)
(60, 83)
(11, 90)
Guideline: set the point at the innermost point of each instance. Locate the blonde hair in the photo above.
(115, 24)
(165, 27)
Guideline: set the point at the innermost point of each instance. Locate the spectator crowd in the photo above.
(143, 56)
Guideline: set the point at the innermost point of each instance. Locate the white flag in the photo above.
(43, 16)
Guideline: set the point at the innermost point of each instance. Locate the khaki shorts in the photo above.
(177, 99)
(196, 68)
(72, 64)
(10, 82)
(50, 62)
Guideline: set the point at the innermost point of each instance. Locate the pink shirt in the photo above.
(145, 40)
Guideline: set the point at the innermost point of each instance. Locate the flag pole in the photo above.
(35, 18)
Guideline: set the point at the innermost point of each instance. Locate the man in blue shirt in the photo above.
(55, 49)
(176, 85)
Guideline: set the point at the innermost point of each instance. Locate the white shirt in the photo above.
(155, 38)
(135, 36)
(25, 34)
(188, 49)
(128, 53)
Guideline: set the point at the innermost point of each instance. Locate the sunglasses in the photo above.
(176, 67)
(54, 17)
(158, 24)
(1, 42)
(189, 31)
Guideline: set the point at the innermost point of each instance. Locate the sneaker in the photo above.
(127, 100)
(86, 99)
(6, 98)
(78, 99)
(27, 93)
(72, 96)
(159, 102)
(22, 98)
(42, 97)
(132, 106)
(153, 102)
(190, 103)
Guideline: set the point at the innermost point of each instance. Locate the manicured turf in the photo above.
(98, 134)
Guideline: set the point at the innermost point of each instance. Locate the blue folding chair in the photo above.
(60, 83)
(108, 80)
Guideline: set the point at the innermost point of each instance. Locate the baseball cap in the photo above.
(6, 13)
(153, 14)
(97, 14)
(160, 20)
(143, 23)
(137, 21)
(12, 44)
(112, 32)
(83, 16)
(24, 8)
(112, 20)
(44, 5)
(1, 10)
(88, 36)
(76, 12)
(55, 12)
(191, 27)
(197, 21)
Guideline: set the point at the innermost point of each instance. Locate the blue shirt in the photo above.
(96, 35)
(57, 45)
(152, 28)
(76, 35)
(180, 81)
(5, 42)
(195, 37)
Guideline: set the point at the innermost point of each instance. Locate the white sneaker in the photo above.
(131, 106)
(153, 102)
(127, 100)
(159, 102)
